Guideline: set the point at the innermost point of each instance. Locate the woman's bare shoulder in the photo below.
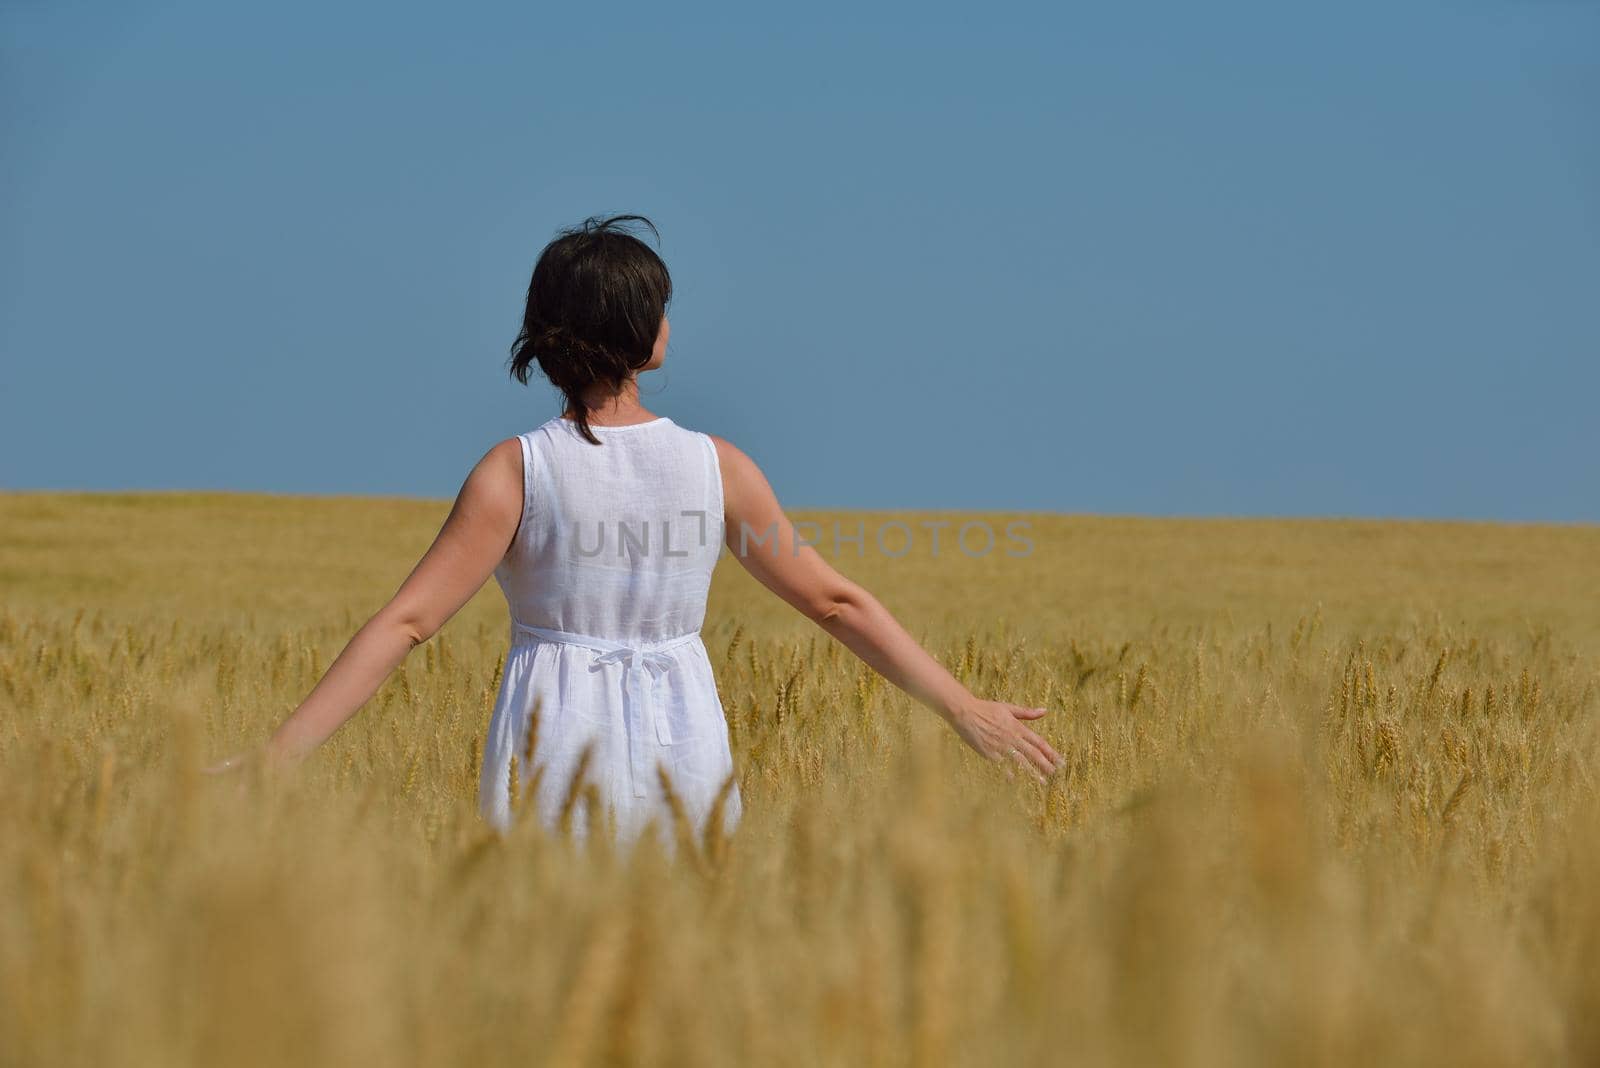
(497, 476)
(745, 487)
(725, 448)
(504, 455)
(736, 464)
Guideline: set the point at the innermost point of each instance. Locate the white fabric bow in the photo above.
(636, 664)
(639, 665)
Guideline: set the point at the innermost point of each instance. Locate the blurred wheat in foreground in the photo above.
(1331, 799)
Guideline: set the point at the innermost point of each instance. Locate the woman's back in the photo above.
(606, 581)
(618, 539)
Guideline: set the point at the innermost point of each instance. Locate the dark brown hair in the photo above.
(595, 305)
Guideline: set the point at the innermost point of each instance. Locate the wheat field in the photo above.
(1330, 799)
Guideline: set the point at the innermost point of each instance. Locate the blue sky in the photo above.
(1217, 259)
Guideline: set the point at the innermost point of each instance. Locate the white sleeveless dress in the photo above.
(606, 582)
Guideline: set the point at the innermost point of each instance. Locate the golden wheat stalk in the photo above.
(681, 827)
(530, 766)
(575, 788)
(713, 840)
(1448, 815)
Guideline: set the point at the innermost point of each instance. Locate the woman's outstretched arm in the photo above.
(474, 538)
(765, 542)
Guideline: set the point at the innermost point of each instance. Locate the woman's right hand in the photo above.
(996, 731)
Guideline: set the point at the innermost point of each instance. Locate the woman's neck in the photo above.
(619, 408)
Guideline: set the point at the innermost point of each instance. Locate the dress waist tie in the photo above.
(640, 660)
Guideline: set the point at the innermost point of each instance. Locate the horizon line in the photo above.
(854, 510)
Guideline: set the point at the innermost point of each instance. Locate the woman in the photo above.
(602, 527)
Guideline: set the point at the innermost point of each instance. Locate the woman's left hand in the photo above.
(234, 763)
(265, 756)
